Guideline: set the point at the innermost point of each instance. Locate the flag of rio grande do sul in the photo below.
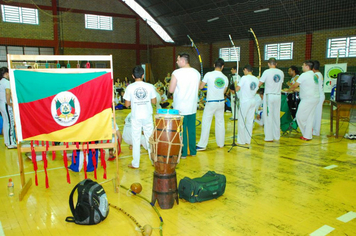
(62, 107)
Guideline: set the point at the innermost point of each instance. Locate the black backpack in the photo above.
(92, 205)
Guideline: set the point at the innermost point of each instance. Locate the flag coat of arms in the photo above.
(62, 107)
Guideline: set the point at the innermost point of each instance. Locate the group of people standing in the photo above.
(312, 97)
(185, 83)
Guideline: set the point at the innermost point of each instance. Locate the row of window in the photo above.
(30, 16)
(18, 50)
(336, 48)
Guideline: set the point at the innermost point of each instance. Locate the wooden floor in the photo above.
(279, 188)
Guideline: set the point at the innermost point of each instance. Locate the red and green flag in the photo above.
(62, 107)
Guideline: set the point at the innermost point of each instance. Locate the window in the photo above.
(341, 47)
(19, 15)
(19, 50)
(98, 22)
(280, 51)
(229, 54)
(149, 19)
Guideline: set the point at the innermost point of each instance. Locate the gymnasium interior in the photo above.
(285, 187)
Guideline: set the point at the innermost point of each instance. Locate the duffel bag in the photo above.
(209, 186)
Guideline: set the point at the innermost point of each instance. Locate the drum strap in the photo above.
(166, 157)
(167, 130)
(165, 193)
(163, 176)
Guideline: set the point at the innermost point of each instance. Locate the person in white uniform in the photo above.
(6, 110)
(319, 107)
(127, 134)
(247, 86)
(233, 82)
(140, 95)
(185, 86)
(158, 100)
(272, 78)
(215, 104)
(259, 106)
(309, 99)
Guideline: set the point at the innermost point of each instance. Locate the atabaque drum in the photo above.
(166, 141)
(164, 190)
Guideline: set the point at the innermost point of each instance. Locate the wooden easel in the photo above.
(12, 59)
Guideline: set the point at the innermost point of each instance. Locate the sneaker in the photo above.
(11, 146)
(183, 157)
(304, 138)
(200, 149)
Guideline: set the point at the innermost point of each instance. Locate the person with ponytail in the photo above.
(6, 109)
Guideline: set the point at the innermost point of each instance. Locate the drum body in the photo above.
(164, 190)
(293, 103)
(167, 142)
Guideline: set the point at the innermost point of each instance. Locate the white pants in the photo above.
(245, 124)
(211, 109)
(318, 116)
(305, 116)
(8, 124)
(271, 116)
(127, 137)
(136, 128)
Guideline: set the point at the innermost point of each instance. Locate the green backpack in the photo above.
(209, 186)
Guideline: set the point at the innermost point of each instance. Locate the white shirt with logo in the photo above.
(217, 82)
(248, 87)
(273, 79)
(309, 85)
(185, 96)
(321, 83)
(140, 94)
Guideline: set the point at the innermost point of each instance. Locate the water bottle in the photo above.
(10, 188)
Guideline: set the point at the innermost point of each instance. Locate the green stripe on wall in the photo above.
(30, 86)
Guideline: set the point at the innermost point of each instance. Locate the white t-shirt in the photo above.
(321, 83)
(140, 94)
(248, 86)
(292, 80)
(217, 82)
(235, 78)
(273, 79)
(185, 96)
(158, 100)
(4, 84)
(309, 85)
(164, 98)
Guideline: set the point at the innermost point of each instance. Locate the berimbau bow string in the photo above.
(258, 51)
(200, 60)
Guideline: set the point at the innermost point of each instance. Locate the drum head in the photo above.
(168, 111)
